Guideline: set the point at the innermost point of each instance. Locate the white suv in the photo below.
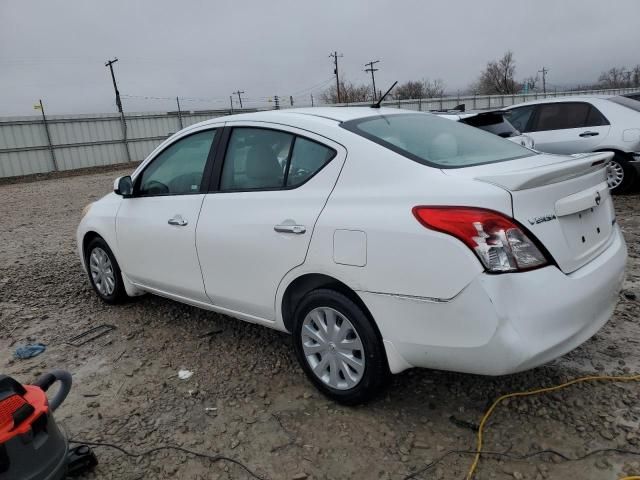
(380, 239)
(586, 124)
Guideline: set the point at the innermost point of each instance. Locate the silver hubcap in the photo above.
(333, 348)
(102, 271)
(615, 174)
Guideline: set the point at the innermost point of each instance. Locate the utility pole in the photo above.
(231, 102)
(277, 102)
(239, 97)
(335, 71)
(179, 113)
(544, 72)
(312, 100)
(123, 121)
(115, 86)
(40, 107)
(373, 78)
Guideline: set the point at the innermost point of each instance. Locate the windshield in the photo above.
(627, 102)
(435, 141)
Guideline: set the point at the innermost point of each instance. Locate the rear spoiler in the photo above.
(575, 166)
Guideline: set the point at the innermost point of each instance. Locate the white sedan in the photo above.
(380, 239)
(582, 124)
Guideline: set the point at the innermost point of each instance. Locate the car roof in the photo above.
(291, 116)
(568, 98)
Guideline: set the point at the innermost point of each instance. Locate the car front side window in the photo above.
(179, 168)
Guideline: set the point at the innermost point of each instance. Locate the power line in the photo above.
(373, 78)
(335, 71)
(544, 72)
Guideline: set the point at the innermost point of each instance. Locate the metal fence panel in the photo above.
(80, 141)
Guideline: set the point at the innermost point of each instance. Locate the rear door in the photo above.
(567, 127)
(269, 187)
(563, 201)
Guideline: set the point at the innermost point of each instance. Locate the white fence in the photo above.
(80, 141)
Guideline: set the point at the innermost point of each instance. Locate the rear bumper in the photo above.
(502, 324)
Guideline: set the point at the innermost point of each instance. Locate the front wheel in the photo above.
(338, 347)
(104, 272)
(621, 175)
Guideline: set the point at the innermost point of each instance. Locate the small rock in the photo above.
(300, 476)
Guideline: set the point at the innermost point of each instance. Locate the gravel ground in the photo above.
(249, 400)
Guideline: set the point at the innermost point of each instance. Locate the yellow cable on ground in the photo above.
(493, 406)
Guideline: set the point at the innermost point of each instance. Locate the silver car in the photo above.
(581, 124)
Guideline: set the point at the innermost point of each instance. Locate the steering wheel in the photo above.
(155, 188)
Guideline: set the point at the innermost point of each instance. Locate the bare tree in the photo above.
(349, 93)
(420, 89)
(635, 76)
(498, 77)
(613, 78)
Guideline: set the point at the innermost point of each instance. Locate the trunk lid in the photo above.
(562, 200)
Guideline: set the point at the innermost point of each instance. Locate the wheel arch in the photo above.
(308, 282)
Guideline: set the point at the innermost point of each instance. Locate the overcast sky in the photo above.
(205, 50)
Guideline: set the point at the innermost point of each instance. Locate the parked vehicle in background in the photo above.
(582, 124)
(381, 239)
(490, 121)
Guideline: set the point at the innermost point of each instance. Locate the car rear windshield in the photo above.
(627, 102)
(434, 141)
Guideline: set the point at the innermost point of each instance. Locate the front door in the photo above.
(256, 226)
(156, 228)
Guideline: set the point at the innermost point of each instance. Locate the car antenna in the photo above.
(377, 104)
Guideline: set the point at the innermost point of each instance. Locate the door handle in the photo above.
(178, 221)
(297, 229)
(589, 134)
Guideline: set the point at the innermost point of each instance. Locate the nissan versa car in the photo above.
(587, 124)
(380, 239)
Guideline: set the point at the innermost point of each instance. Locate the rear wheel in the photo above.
(621, 175)
(104, 272)
(338, 347)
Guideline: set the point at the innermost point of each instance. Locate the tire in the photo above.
(106, 279)
(621, 174)
(361, 346)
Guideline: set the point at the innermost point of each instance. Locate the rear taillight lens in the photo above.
(499, 242)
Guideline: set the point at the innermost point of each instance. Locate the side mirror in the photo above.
(123, 186)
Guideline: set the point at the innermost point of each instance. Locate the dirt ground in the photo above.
(249, 400)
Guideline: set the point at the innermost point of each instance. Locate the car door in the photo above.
(156, 227)
(567, 127)
(270, 186)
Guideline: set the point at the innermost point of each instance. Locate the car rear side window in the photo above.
(566, 115)
(266, 159)
(307, 158)
(435, 141)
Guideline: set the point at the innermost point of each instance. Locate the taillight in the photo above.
(500, 244)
